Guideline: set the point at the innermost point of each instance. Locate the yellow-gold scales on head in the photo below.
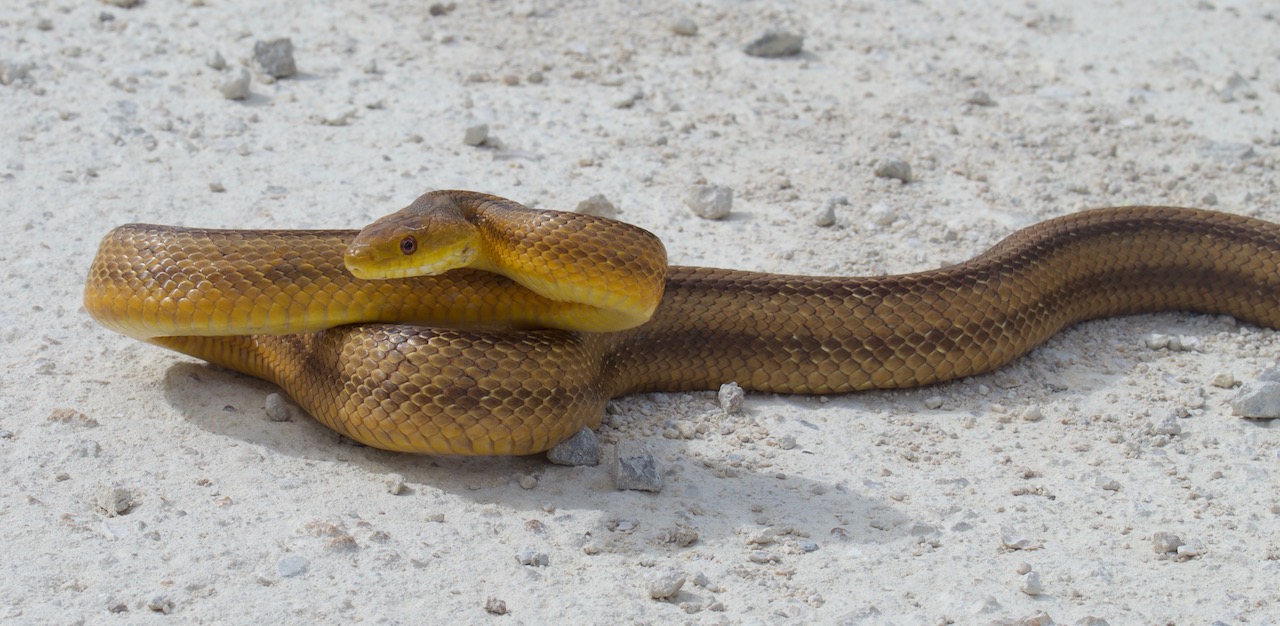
(470, 324)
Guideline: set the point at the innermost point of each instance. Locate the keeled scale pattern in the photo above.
(479, 392)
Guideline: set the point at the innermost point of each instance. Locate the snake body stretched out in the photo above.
(471, 361)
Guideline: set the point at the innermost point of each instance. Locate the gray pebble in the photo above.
(1165, 542)
(236, 85)
(597, 205)
(160, 604)
(730, 397)
(713, 202)
(215, 61)
(580, 449)
(1235, 88)
(663, 585)
(276, 57)
(825, 216)
(476, 135)
(124, 4)
(684, 27)
(44, 23)
(980, 98)
(1227, 150)
(893, 168)
(533, 558)
(808, 546)
(216, 186)
(277, 408)
(6, 433)
(774, 44)
(1257, 400)
(635, 468)
(291, 566)
(933, 402)
(494, 606)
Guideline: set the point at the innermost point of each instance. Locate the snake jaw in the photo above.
(443, 240)
(372, 262)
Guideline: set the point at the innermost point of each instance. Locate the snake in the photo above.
(517, 326)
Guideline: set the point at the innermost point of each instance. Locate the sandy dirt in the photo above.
(142, 486)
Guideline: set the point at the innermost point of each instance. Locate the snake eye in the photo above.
(408, 245)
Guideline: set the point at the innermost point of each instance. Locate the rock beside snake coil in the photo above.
(358, 358)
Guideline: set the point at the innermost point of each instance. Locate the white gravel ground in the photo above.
(144, 487)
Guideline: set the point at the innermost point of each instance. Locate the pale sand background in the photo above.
(1095, 103)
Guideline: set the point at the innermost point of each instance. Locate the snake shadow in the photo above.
(712, 496)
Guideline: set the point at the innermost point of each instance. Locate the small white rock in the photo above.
(1031, 584)
(1223, 380)
(291, 566)
(713, 202)
(730, 397)
(533, 558)
(1257, 400)
(1167, 426)
(394, 483)
(235, 86)
(1013, 539)
(684, 26)
(665, 584)
(215, 61)
(882, 214)
(113, 501)
(893, 168)
(1192, 548)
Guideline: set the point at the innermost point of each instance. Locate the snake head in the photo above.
(429, 237)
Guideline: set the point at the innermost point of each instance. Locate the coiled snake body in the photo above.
(367, 358)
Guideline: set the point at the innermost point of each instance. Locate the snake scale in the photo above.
(471, 362)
